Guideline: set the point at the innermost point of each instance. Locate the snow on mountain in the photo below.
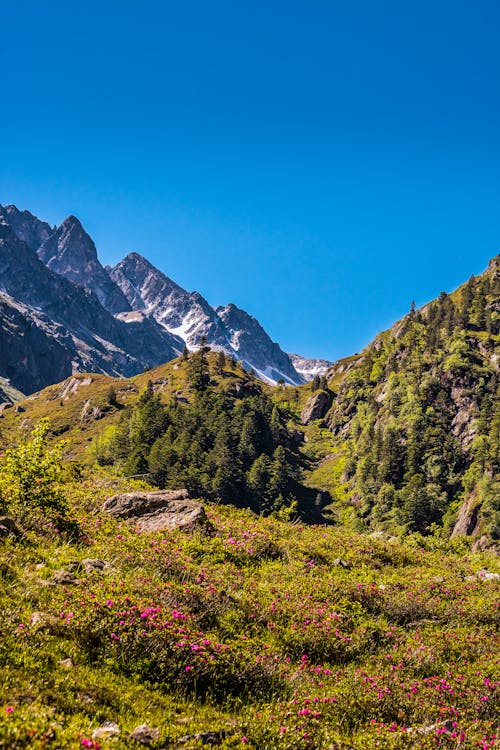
(190, 316)
(123, 318)
(308, 368)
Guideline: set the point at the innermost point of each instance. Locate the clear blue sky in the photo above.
(319, 163)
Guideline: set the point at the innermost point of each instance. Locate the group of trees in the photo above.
(218, 447)
(410, 457)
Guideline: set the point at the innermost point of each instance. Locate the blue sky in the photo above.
(319, 164)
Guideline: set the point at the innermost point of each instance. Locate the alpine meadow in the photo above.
(250, 375)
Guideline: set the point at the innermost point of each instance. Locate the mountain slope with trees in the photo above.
(416, 416)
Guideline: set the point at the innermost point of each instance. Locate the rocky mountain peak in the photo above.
(71, 252)
(27, 227)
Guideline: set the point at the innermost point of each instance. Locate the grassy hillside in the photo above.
(411, 441)
(267, 635)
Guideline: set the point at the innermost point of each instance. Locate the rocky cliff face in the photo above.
(27, 227)
(251, 344)
(70, 252)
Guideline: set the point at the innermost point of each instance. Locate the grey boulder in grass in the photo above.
(159, 511)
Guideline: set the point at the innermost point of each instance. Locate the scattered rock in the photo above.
(437, 579)
(447, 725)
(467, 517)
(241, 389)
(90, 412)
(338, 563)
(45, 621)
(484, 543)
(93, 565)
(156, 511)
(144, 734)
(207, 738)
(316, 407)
(487, 575)
(66, 663)
(8, 527)
(65, 578)
(108, 729)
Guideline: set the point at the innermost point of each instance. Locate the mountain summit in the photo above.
(70, 252)
(190, 316)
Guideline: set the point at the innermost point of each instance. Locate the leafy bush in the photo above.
(29, 477)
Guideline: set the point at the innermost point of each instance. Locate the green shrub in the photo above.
(28, 480)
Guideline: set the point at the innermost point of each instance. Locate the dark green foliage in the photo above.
(219, 448)
(423, 409)
(198, 369)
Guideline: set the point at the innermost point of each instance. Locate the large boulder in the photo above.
(157, 511)
(316, 407)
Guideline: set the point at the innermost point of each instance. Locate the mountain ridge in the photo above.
(109, 325)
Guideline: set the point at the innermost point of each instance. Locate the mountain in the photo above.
(70, 252)
(117, 320)
(189, 315)
(415, 419)
(27, 227)
(308, 368)
(50, 326)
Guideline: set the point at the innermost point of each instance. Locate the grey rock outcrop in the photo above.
(316, 407)
(27, 227)
(158, 511)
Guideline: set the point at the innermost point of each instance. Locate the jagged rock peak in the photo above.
(68, 247)
(29, 228)
(143, 284)
(71, 252)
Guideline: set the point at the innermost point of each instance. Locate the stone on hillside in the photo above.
(144, 734)
(467, 518)
(158, 511)
(487, 575)
(47, 622)
(316, 407)
(108, 729)
(8, 527)
(65, 578)
(93, 565)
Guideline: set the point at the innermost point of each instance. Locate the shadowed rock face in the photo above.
(316, 407)
(158, 511)
(70, 252)
(27, 227)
